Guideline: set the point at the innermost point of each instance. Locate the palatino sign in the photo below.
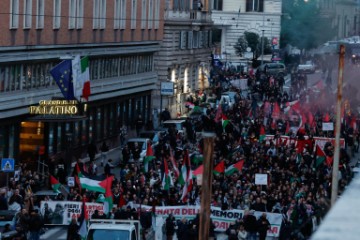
(55, 107)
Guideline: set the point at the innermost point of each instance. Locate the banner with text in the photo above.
(61, 212)
(221, 219)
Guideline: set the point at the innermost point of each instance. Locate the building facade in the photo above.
(233, 18)
(344, 15)
(185, 55)
(120, 37)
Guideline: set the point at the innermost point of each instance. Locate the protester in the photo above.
(72, 232)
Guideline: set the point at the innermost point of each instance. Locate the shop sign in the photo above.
(55, 107)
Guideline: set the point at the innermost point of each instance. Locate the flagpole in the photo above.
(335, 170)
(206, 186)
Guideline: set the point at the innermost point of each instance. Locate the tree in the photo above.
(252, 40)
(303, 26)
(240, 46)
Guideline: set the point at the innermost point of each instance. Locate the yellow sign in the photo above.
(55, 107)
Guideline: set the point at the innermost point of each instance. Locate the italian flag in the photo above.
(166, 181)
(55, 185)
(220, 168)
(320, 156)
(81, 77)
(85, 77)
(225, 121)
(148, 157)
(107, 184)
(236, 167)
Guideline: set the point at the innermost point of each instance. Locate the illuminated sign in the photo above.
(55, 107)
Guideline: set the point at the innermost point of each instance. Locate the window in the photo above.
(190, 40)
(117, 13)
(254, 5)
(76, 14)
(182, 40)
(72, 13)
(79, 14)
(27, 13)
(123, 14)
(176, 5)
(151, 14)
(40, 14)
(99, 18)
(195, 39)
(143, 14)
(157, 14)
(57, 14)
(133, 14)
(14, 14)
(218, 5)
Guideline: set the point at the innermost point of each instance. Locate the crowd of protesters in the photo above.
(299, 187)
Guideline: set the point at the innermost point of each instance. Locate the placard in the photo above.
(328, 126)
(261, 179)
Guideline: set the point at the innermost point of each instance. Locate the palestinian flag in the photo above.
(197, 158)
(107, 184)
(187, 176)
(320, 156)
(237, 167)
(88, 183)
(166, 180)
(220, 168)
(329, 160)
(199, 170)
(55, 185)
(148, 157)
(225, 121)
(262, 134)
(83, 220)
(174, 163)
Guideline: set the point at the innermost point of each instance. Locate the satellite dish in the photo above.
(248, 49)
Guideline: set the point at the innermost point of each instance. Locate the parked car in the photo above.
(275, 69)
(307, 67)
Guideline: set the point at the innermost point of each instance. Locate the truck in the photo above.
(307, 67)
(106, 229)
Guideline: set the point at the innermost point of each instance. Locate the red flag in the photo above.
(310, 118)
(276, 111)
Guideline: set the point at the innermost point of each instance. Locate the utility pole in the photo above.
(206, 186)
(335, 170)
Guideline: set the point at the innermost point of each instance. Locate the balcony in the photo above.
(189, 15)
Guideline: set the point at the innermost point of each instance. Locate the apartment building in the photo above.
(233, 18)
(120, 37)
(185, 55)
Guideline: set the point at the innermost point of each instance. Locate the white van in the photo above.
(178, 123)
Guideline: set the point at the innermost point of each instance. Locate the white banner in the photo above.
(221, 219)
(61, 212)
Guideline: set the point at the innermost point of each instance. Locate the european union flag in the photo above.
(62, 74)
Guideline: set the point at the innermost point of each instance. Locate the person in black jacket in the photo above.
(72, 232)
(263, 226)
(92, 150)
(35, 225)
(170, 227)
(182, 231)
(250, 224)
